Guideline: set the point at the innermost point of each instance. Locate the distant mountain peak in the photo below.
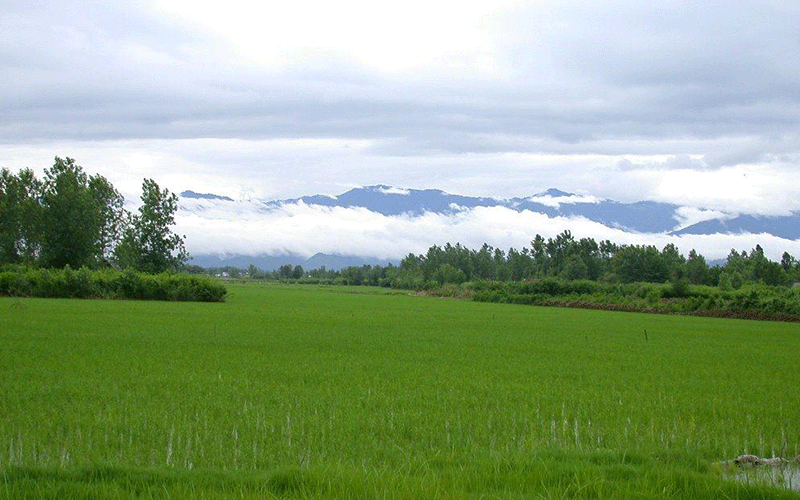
(782, 226)
(204, 196)
(554, 193)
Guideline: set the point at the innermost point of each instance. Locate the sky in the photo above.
(693, 103)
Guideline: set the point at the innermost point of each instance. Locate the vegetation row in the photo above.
(108, 283)
(565, 271)
(563, 257)
(69, 235)
(751, 301)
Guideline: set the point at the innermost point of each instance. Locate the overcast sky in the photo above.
(696, 103)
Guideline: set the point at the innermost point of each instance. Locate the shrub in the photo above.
(752, 301)
(128, 284)
(13, 284)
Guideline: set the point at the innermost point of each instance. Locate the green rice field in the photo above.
(333, 392)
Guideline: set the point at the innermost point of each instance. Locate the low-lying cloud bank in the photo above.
(248, 228)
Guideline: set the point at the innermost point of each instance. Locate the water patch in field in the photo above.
(782, 476)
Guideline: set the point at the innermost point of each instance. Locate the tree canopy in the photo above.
(563, 257)
(148, 243)
(73, 219)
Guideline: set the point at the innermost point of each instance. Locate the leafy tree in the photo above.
(787, 261)
(354, 275)
(502, 269)
(67, 219)
(559, 250)
(673, 261)
(194, 269)
(484, 264)
(285, 272)
(736, 262)
(575, 268)
(297, 272)
(539, 256)
(321, 273)
(697, 271)
(447, 273)
(80, 216)
(148, 243)
(113, 215)
(730, 280)
(640, 263)
(20, 217)
(411, 262)
(590, 255)
(714, 273)
(607, 249)
(520, 264)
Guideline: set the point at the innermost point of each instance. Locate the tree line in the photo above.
(69, 218)
(563, 257)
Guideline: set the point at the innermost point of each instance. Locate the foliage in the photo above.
(447, 274)
(73, 219)
(751, 301)
(20, 217)
(113, 216)
(129, 284)
(148, 244)
(81, 216)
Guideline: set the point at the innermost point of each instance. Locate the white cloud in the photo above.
(385, 35)
(393, 190)
(246, 228)
(688, 216)
(759, 189)
(557, 201)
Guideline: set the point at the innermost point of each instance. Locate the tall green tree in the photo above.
(20, 217)
(285, 272)
(113, 216)
(483, 262)
(697, 270)
(520, 264)
(79, 213)
(640, 263)
(148, 244)
(673, 260)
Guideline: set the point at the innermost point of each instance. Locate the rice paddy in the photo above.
(333, 392)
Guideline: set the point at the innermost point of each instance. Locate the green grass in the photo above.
(326, 392)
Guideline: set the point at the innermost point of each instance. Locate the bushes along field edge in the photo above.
(752, 301)
(109, 283)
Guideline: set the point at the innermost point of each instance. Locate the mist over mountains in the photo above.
(380, 224)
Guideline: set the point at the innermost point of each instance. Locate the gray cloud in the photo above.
(581, 77)
(626, 99)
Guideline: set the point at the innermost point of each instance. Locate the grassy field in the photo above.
(308, 392)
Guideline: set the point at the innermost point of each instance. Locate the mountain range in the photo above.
(637, 217)
(643, 216)
(268, 262)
